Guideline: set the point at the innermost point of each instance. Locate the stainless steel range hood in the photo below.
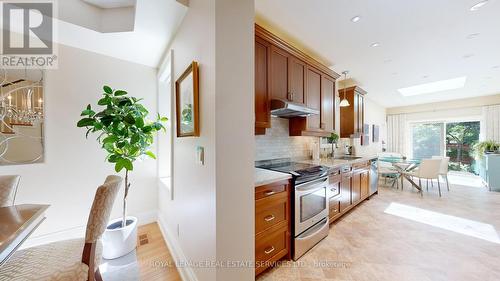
(286, 109)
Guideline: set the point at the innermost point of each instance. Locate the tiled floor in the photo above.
(400, 236)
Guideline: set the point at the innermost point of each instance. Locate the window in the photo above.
(452, 139)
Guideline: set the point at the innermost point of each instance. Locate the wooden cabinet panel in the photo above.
(272, 224)
(279, 74)
(262, 105)
(365, 184)
(297, 80)
(271, 211)
(352, 118)
(313, 92)
(334, 205)
(356, 187)
(270, 189)
(271, 246)
(345, 192)
(327, 103)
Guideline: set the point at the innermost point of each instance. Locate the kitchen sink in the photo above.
(348, 158)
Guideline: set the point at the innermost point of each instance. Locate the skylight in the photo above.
(433, 87)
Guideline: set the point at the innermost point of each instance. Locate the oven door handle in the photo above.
(316, 184)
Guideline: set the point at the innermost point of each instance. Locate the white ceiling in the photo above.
(420, 42)
(156, 22)
(110, 4)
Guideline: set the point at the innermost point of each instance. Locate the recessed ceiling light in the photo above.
(496, 67)
(375, 44)
(387, 61)
(356, 19)
(478, 5)
(467, 56)
(425, 76)
(394, 73)
(472, 36)
(433, 87)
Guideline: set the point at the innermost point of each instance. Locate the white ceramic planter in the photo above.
(118, 241)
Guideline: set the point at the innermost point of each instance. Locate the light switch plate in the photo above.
(200, 155)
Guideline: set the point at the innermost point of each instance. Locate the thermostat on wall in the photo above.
(200, 155)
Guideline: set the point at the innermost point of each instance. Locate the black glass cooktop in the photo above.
(302, 172)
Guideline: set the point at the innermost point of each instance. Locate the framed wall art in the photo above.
(187, 102)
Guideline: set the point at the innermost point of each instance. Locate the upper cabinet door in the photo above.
(327, 103)
(313, 99)
(297, 74)
(262, 89)
(279, 74)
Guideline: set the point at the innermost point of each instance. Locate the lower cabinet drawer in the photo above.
(271, 246)
(334, 208)
(267, 216)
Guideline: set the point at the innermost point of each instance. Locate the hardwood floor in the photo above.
(153, 256)
(399, 236)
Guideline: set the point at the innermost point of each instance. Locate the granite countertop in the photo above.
(334, 162)
(263, 177)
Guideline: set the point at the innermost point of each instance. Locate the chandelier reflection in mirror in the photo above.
(21, 116)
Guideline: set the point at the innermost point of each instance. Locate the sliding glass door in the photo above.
(427, 140)
(453, 139)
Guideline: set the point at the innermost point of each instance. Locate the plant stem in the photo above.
(127, 186)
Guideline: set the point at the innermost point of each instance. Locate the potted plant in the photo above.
(333, 139)
(126, 135)
(485, 147)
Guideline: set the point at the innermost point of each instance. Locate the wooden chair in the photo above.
(8, 190)
(69, 260)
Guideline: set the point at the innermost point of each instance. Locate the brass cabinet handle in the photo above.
(269, 218)
(291, 95)
(267, 252)
(268, 193)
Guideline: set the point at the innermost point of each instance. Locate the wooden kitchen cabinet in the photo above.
(352, 118)
(297, 80)
(262, 87)
(320, 95)
(279, 73)
(346, 192)
(272, 224)
(283, 72)
(328, 103)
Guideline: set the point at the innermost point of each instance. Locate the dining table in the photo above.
(403, 167)
(17, 223)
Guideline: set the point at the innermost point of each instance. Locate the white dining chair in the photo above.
(429, 169)
(68, 260)
(443, 170)
(8, 190)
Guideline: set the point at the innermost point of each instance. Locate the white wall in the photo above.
(211, 217)
(74, 167)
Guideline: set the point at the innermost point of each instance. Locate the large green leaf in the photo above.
(85, 122)
(108, 90)
(120, 93)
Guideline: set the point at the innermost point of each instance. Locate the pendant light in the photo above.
(345, 102)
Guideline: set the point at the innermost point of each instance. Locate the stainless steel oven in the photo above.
(311, 215)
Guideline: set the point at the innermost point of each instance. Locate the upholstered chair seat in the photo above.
(69, 260)
(58, 261)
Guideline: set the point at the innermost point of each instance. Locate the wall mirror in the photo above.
(21, 116)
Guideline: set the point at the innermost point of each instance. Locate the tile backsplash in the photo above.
(278, 144)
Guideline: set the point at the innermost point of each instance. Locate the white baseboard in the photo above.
(79, 231)
(187, 273)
